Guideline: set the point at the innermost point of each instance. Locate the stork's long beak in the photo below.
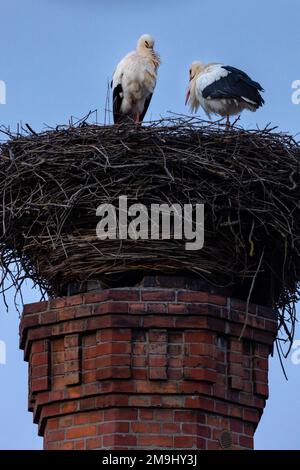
(187, 96)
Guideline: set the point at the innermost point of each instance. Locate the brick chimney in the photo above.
(158, 366)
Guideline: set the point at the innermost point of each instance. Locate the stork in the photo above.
(222, 90)
(134, 81)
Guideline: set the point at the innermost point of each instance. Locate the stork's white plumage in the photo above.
(222, 89)
(134, 81)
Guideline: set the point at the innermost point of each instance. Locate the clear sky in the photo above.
(56, 59)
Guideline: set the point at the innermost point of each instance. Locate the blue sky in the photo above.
(56, 59)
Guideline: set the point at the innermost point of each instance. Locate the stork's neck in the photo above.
(151, 55)
(193, 100)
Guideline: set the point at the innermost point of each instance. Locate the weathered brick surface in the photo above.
(149, 367)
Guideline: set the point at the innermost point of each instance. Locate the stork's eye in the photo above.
(147, 44)
(190, 71)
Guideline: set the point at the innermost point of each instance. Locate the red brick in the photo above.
(236, 345)
(261, 389)
(171, 428)
(36, 307)
(158, 295)
(158, 335)
(89, 417)
(79, 445)
(155, 441)
(164, 415)
(83, 311)
(74, 300)
(39, 346)
(66, 445)
(192, 296)
(200, 403)
(185, 442)
(200, 337)
(260, 363)
(95, 297)
(39, 359)
(121, 414)
(39, 384)
(236, 383)
(127, 294)
(111, 307)
(72, 378)
(157, 348)
(202, 349)
(201, 443)
(58, 303)
(236, 369)
(114, 372)
(137, 308)
(151, 321)
(157, 361)
(236, 425)
(251, 415)
(157, 373)
(71, 354)
(53, 423)
(39, 371)
(66, 421)
(69, 407)
(81, 431)
(56, 436)
(113, 360)
(29, 321)
(94, 443)
(200, 374)
(66, 313)
(146, 414)
(88, 404)
(177, 308)
(119, 439)
(48, 317)
(246, 441)
(204, 431)
(260, 376)
(234, 357)
(113, 427)
(185, 416)
(156, 308)
(138, 401)
(217, 299)
(145, 428)
(116, 334)
(201, 362)
(39, 333)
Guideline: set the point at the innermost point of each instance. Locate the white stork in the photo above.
(134, 81)
(222, 89)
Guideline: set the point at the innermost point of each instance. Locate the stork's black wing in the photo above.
(147, 102)
(117, 101)
(237, 85)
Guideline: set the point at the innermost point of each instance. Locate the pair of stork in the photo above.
(219, 89)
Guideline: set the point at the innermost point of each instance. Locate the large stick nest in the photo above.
(51, 184)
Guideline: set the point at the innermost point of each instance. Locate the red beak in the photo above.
(187, 96)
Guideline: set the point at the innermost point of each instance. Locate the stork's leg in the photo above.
(137, 118)
(227, 122)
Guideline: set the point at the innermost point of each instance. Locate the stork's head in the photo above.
(195, 69)
(146, 42)
(145, 46)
